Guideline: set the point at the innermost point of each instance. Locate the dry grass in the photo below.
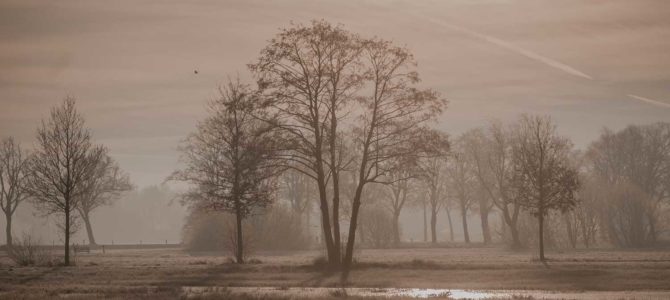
(160, 273)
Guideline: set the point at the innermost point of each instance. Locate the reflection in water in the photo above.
(319, 292)
(430, 293)
(308, 292)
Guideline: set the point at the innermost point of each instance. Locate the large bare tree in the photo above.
(64, 159)
(102, 187)
(544, 178)
(392, 123)
(230, 159)
(311, 73)
(13, 178)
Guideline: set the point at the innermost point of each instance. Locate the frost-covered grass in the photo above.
(161, 273)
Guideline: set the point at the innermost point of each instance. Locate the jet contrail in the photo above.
(514, 48)
(650, 101)
(532, 55)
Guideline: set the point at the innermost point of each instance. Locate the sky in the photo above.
(130, 64)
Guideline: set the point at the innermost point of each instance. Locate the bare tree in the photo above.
(230, 159)
(102, 187)
(313, 74)
(433, 176)
(461, 184)
(310, 73)
(398, 192)
(544, 178)
(13, 177)
(64, 159)
(638, 158)
(491, 152)
(589, 209)
(393, 122)
(476, 148)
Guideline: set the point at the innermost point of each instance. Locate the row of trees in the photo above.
(345, 113)
(614, 192)
(65, 175)
(341, 117)
(523, 166)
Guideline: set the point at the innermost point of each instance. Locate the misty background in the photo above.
(131, 66)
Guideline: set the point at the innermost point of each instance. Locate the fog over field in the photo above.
(527, 114)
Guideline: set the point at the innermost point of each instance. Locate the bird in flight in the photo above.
(195, 72)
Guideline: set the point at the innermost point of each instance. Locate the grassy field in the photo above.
(162, 273)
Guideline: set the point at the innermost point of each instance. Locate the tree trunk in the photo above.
(349, 253)
(433, 226)
(451, 224)
(541, 239)
(486, 231)
(8, 228)
(331, 248)
(332, 140)
(425, 223)
(396, 228)
(503, 227)
(464, 218)
(240, 242)
(652, 228)
(511, 223)
(67, 234)
(336, 216)
(89, 228)
(585, 234)
(571, 230)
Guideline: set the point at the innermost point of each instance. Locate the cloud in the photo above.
(512, 47)
(650, 101)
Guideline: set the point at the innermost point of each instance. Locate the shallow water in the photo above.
(313, 292)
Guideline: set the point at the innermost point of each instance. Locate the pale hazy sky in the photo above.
(130, 64)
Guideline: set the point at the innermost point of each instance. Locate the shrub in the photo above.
(376, 227)
(26, 251)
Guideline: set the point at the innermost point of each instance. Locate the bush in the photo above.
(275, 228)
(26, 251)
(376, 227)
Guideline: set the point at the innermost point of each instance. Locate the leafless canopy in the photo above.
(544, 179)
(231, 158)
(64, 160)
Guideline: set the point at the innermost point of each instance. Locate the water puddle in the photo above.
(324, 292)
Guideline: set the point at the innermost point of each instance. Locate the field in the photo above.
(173, 273)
